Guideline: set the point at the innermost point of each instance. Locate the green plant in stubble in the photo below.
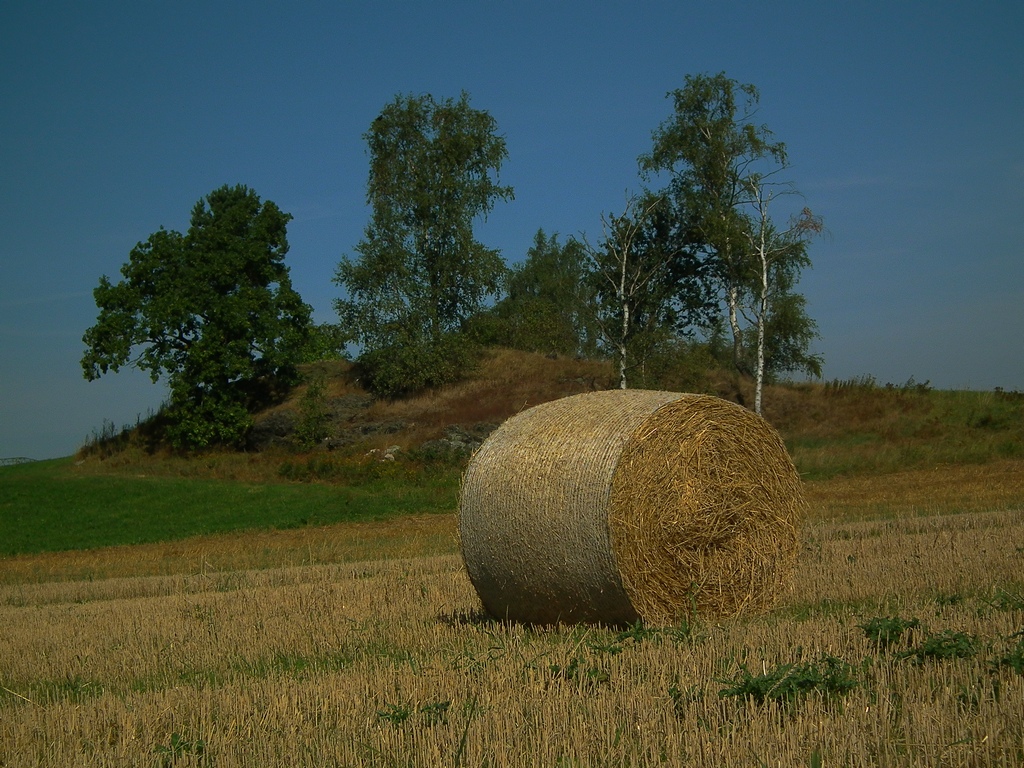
(639, 633)
(943, 599)
(887, 631)
(616, 643)
(789, 682)
(179, 747)
(1014, 658)
(1006, 600)
(683, 697)
(435, 712)
(579, 670)
(943, 646)
(429, 714)
(396, 714)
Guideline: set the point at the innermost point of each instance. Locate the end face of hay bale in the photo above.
(616, 506)
(703, 512)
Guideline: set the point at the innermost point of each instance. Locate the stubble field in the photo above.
(900, 643)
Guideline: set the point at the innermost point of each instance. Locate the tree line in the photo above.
(697, 258)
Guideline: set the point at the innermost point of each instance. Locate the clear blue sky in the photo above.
(904, 122)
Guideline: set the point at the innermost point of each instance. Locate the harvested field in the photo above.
(391, 662)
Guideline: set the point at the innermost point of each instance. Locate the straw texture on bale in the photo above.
(627, 505)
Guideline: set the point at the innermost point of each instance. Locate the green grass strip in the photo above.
(46, 507)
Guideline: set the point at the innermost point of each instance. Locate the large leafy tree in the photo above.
(715, 156)
(420, 272)
(212, 310)
(549, 303)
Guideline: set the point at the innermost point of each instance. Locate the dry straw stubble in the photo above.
(620, 506)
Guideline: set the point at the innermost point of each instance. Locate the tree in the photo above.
(712, 148)
(779, 255)
(327, 341)
(213, 311)
(420, 272)
(629, 267)
(549, 305)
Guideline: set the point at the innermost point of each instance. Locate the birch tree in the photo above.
(710, 146)
(778, 257)
(629, 270)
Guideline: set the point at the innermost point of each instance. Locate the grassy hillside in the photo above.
(863, 450)
(831, 429)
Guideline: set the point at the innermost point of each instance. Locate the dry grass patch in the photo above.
(506, 382)
(342, 543)
(935, 490)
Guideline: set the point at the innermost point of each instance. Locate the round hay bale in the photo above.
(627, 505)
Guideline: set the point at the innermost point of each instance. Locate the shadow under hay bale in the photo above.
(626, 505)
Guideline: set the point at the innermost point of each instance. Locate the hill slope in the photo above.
(831, 429)
(506, 382)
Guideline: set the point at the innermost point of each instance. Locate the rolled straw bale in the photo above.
(628, 505)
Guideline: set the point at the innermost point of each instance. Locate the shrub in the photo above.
(403, 369)
(314, 418)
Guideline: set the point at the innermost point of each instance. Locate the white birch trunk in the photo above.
(625, 330)
(733, 300)
(762, 315)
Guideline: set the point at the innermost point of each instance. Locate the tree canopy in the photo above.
(212, 310)
(715, 156)
(420, 272)
(549, 303)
